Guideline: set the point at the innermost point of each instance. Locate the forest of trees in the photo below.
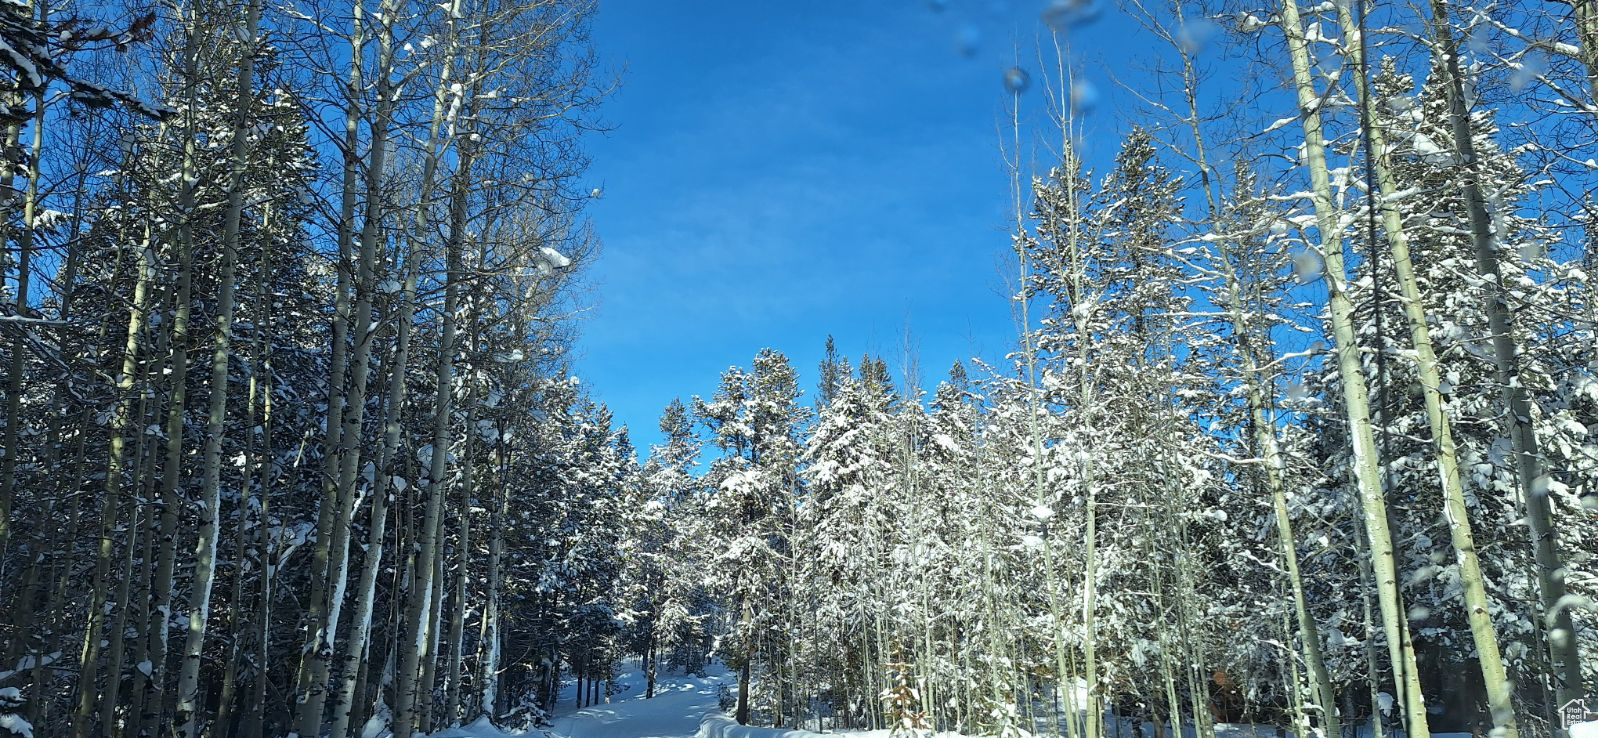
(1300, 426)
(290, 443)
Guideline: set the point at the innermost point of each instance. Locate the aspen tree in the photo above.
(9, 446)
(327, 590)
(351, 184)
(117, 633)
(357, 644)
(1533, 478)
(26, 622)
(205, 552)
(489, 641)
(152, 701)
(1456, 512)
(1355, 392)
(1274, 473)
(455, 670)
(257, 456)
(417, 629)
(1057, 610)
(1255, 382)
(9, 449)
(121, 421)
(422, 611)
(144, 572)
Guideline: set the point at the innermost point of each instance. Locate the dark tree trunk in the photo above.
(651, 662)
(743, 690)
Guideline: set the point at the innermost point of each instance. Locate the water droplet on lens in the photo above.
(1527, 71)
(1196, 33)
(1084, 96)
(1478, 42)
(1061, 15)
(967, 40)
(1016, 80)
(1307, 266)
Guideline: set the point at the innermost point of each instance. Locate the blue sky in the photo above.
(777, 172)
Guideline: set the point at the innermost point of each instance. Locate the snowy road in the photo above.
(680, 703)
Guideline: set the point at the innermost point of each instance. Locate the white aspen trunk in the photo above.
(1093, 724)
(9, 448)
(152, 704)
(1455, 511)
(121, 422)
(1275, 467)
(1062, 671)
(1367, 581)
(264, 549)
(116, 657)
(454, 670)
(426, 700)
(1355, 393)
(255, 461)
(326, 609)
(338, 361)
(356, 647)
(9, 440)
(420, 614)
(489, 644)
(142, 573)
(1198, 685)
(1265, 439)
(205, 551)
(1565, 658)
(1173, 704)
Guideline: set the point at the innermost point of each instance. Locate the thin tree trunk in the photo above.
(358, 645)
(457, 616)
(1494, 676)
(1565, 658)
(121, 422)
(205, 550)
(489, 643)
(1355, 392)
(264, 547)
(116, 658)
(9, 440)
(427, 557)
(252, 465)
(145, 569)
(1264, 430)
(327, 609)
(8, 464)
(338, 361)
(743, 688)
(427, 699)
(152, 700)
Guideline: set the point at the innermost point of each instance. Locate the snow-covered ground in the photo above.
(1584, 730)
(680, 704)
(686, 707)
